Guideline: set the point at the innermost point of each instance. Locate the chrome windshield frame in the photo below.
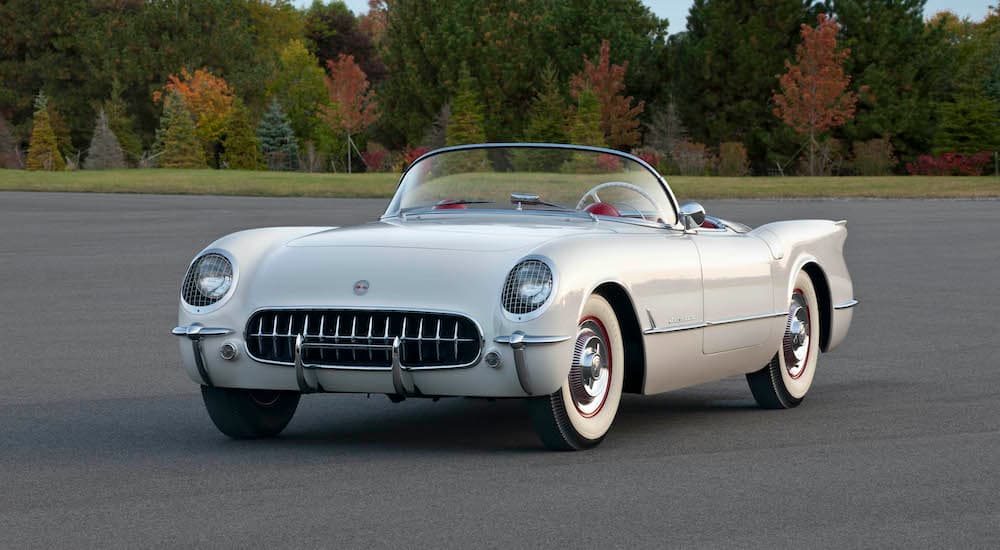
(522, 145)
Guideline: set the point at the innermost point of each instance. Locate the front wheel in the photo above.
(784, 382)
(579, 414)
(250, 414)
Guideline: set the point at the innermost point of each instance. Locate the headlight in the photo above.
(208, 280)
(528, 287)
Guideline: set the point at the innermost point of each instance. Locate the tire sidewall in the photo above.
(593, 428)
(798, 387)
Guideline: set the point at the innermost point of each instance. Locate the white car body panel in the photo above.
(708, 303)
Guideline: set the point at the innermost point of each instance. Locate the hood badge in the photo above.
(361, 287)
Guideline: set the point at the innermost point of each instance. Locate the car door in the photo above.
(737, 290)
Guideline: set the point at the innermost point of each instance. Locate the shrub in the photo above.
(609, 163)
(376, 158)
(950, 164)
(649, 156)
(828, 160)
(874, 157)
(693, 159)
(733, 159)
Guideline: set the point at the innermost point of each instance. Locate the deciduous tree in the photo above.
(105, 152)
(43, 150)
(299, 84)
(332, 30)
(208, 98)
(619, 118)
(353, 108)
(814, 95)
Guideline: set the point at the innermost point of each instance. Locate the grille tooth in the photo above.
(271, 337)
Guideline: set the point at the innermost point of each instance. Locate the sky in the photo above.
(676, 10)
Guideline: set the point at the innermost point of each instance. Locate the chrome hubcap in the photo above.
(795, 344)
(589, 378)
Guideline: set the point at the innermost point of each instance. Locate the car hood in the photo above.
(449, 232)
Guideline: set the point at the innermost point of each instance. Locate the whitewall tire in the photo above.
(580, 413)
(784, 382)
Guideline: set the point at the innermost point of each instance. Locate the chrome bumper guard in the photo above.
(196, 332)
(518, 341)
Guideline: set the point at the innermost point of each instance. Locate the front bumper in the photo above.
(529, 365)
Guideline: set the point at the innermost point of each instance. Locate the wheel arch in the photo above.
(635, 357)
(822, 286)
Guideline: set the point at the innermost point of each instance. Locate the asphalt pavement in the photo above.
(104, 441)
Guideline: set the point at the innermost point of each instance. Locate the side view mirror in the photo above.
(692, 215)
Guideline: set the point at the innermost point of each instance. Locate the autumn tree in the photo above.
(353, 107)
(619, 118)
(814, 95)
(43, 150)
(240, 143)
(105, 152)
(331, 30)
(277, 140)
(208, 98)
(180, 147)
(375, 22)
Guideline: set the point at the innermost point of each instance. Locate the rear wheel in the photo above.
(784, 382)
(250, 414)
(580, 413)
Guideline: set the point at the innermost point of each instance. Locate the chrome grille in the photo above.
(363, 339)
(527, 272)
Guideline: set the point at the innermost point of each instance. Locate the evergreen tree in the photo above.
(104, 153)
(724, 71)
(277, 140)
(546, 124)
(466, 123)
(123, 125)
(968, 125)
(8, 155)
(43, 151)
(899, 66)
(585, 127)
(242, 148)
(181, 146)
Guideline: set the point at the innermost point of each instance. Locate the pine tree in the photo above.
(43, 151)
(8, 156)
(546, 124)
(277, 140)
(105, 152)
(181, 147)
(242, 148)
(968, 125)
(466, 123)
(585, 128)
(123, 125)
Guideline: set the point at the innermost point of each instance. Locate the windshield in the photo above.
(531, 178)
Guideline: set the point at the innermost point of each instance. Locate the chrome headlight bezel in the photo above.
(190, 273)
(549, 285)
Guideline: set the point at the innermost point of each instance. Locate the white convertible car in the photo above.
(561, 275)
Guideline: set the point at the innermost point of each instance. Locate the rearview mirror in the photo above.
(692, 215)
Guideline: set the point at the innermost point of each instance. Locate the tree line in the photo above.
(865, 87)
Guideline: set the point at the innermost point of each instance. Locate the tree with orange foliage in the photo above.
(209, 98)
(619, 119)
(814, 95)
(353, 107)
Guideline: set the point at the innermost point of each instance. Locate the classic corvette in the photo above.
(561, 275)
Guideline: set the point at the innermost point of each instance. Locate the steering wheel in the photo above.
(631, 187)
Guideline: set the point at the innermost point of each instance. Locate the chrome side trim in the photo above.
(846, 305)
(195, 332)
(706, 324)
(678, 328)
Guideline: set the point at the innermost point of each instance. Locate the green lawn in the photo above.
(284, 184)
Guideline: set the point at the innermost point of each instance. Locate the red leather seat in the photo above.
(603, 209)
(450, 204)
(708, 225)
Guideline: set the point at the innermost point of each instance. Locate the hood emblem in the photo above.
(361, 287)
